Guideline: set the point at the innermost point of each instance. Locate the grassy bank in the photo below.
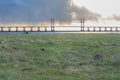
(60, 57)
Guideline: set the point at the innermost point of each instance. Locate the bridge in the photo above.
(53, 28)
(61, 29)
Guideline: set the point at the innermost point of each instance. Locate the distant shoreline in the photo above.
(70, 32)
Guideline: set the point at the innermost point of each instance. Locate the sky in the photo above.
(95, 12)
(108, 9)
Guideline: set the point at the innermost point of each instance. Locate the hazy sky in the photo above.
(103, 12)
(108, 9)
(103, 7)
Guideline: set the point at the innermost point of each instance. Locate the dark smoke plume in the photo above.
(35, 11)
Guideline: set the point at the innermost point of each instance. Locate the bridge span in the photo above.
(61, 29)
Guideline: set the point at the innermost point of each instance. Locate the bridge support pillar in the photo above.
(9, 29)
(116, 28)
(100, 29)
(38, 29)
(105, 28)
(110, 28)
(31, 29)
(94, 29)
(52, 24)
(23, 29)
(82, 24)
(2, 29)
(88, 28)
(16, 29)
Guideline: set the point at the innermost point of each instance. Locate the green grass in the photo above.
(60, 57)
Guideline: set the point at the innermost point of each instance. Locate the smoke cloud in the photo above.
(35, 11)
(82, 12)
(116, 17)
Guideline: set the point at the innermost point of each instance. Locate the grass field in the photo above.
(60, 57)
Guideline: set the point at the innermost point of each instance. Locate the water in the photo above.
(60, 33)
